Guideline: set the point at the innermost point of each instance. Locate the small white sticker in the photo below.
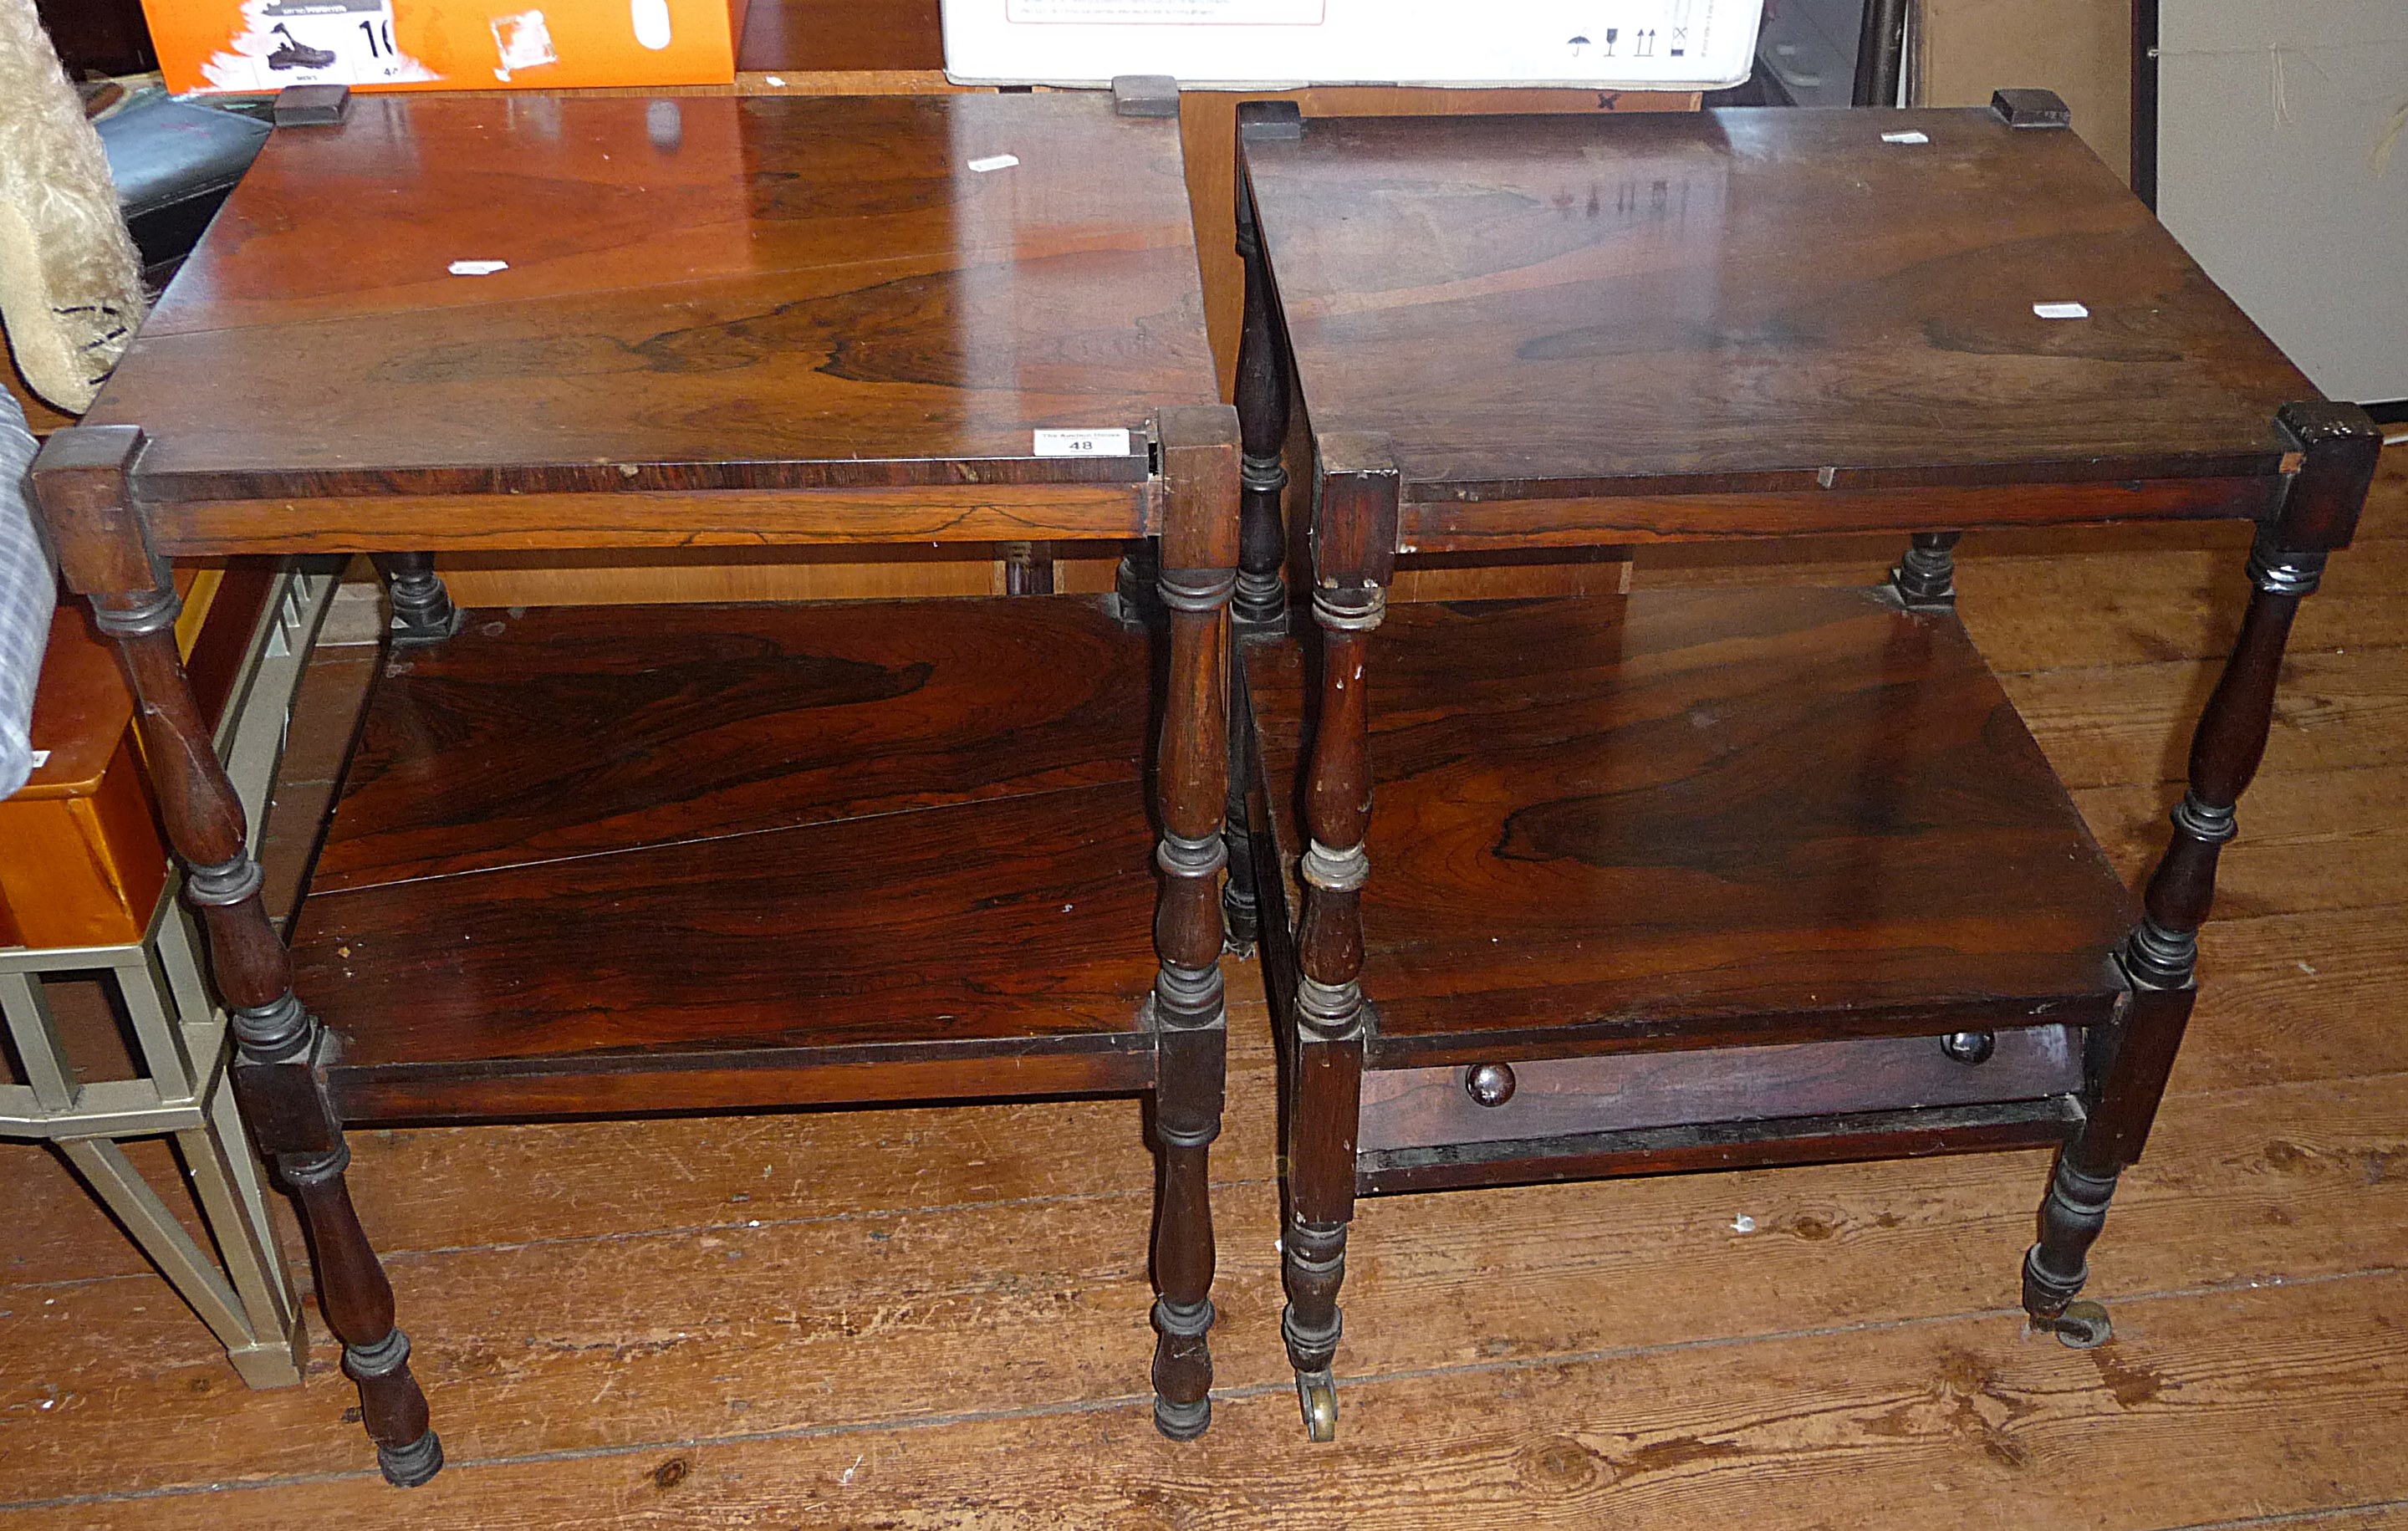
(2060, 310)
(524, 41)
(775, 81)
(1083, 443)
(994, 161)
(1909, 137)
(478, 268)
(41, 758)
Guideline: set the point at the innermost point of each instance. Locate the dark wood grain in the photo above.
(1740, 299)
(1641, 823)
(775, 292)
(985, 929)
(568, 731)
(771, 839)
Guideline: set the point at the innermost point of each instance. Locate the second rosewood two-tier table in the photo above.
(596, 862)
(1691, 880)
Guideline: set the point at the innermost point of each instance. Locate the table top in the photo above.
(1750, 300)
(700, 293)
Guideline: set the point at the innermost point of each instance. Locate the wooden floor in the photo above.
(937, 1317)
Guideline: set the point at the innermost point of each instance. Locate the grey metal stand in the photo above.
(243, 1293)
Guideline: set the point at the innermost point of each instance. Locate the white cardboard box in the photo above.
(1681, 45)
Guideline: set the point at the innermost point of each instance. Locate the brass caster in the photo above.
(1316, 1394)
(2082, 1326)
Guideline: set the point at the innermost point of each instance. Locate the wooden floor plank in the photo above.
(2270, 1401)
(2298, 996)
(583, 1344)
(2131, 723)
(2309, 840)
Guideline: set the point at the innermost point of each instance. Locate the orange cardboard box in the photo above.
(536, 45)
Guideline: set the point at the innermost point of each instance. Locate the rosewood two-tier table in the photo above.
(615, 862)
(1681, 880)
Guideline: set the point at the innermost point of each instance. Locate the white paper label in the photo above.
(478, 268)
(1083, 443)
(1638, 44)
(1910, 136)
(2060, 310)
(994, 161)
(40, 758)
(311, 42)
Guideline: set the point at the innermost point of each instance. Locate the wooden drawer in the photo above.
(1566, 1097)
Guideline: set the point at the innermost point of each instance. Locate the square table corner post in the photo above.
(1356, 493)
(1188, 1010)
(2336, 446)
(84, 484)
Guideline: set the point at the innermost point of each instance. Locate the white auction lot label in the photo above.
(1083, 443)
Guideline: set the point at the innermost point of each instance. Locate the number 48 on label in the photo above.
(1083, 443)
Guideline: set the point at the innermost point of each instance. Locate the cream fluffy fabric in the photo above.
(70, 282)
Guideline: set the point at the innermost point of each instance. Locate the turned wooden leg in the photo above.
(2162, 955)
(1329, 1009)
(1354, 538)
(1262, 396)
(1926, 578)
(276, 1042)
(422, 612)
(2161, 958)
(1187, 1012)
(1187, 1117)
(357, 1301)
(82, 481)
(1241, 914)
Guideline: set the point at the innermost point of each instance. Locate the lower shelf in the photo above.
(715, 857)
(1692, 820)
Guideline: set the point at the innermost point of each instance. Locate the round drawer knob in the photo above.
(1491, 1084)
(1970, 1047)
